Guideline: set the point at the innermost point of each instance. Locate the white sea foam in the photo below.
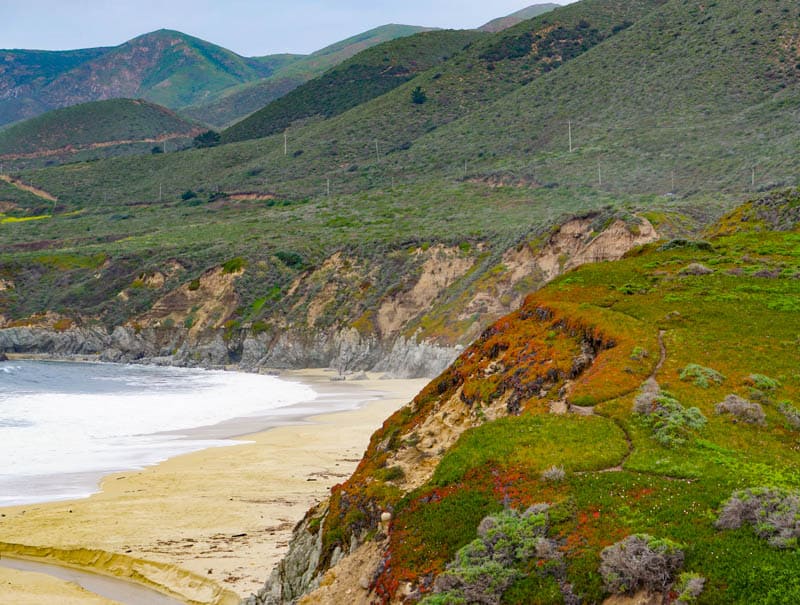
(62, 433)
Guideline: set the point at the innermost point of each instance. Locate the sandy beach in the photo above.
(225, 514)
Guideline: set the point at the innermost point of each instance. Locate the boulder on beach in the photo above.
(3, 357)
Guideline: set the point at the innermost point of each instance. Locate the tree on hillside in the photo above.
(209, 138)
(418, 96)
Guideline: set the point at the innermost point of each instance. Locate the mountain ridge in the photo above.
(501, 23)
(165, 66)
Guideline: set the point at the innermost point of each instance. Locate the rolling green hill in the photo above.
(240, 101)
(92, 125)
(625, 434)
(165, 67)
(501, 23)
(484, 158)
(343, 148)
(367, 75)
(706, 95)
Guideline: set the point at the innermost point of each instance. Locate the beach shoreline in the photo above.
(222, 513)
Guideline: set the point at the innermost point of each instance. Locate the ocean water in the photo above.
(65, 425)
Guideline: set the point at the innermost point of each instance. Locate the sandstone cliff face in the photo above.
(574, 244)
(407, 313)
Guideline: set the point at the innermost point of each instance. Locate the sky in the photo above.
(248, 27)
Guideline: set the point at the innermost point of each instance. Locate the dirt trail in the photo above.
(78, 148)
(40, 193)
(650, 386)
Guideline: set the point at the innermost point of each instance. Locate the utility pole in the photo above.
(673, 182)
(753, 179)
(599, 176)
(329, 186)
(465, 168)
(569, 124)
(285, 142)
(377, 152)
(160, 192)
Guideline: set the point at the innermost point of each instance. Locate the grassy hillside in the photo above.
(92, 124)
(479, 111)
(168, 68)
(343, 148)
(702, 94)
(501, 23)
(635, 398)
(367, 75)
(239, 101)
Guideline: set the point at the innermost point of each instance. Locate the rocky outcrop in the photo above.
(404, 314)
(296, 574)
(344, 350)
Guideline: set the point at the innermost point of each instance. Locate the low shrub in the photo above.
(774, 514)
(670, 422)
(763, 383)
(677, 244)
(741, 409)
(701, 376)
(696, 269)
(689, 587)
(640, 562)
(234, 265)
(791, 413)
(486, 567)
(554, 474)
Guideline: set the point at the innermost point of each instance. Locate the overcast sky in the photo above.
(249, 27)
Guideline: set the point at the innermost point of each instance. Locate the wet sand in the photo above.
(225, 514)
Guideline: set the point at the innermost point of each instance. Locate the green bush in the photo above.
(773, 513)
(763, 383)
(640, 562)
(702, 376)
(670, 422)
(234, 265)
(486, 567)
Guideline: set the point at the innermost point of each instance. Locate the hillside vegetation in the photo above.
(102, 123)
(26, 71)
(702, 93)
(369, 74)
(240, 101)
(343, 148)
(501, 23)
(166, 67)
(633, 428)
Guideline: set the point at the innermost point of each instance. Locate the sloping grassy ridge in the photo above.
(738, 316)
(124, 120)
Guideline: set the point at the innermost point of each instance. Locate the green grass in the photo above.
(366, 76)
(534, 443)
(672, 491)
(90, 123)
(287, 73)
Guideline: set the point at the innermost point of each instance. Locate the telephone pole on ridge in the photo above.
(569, 125)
